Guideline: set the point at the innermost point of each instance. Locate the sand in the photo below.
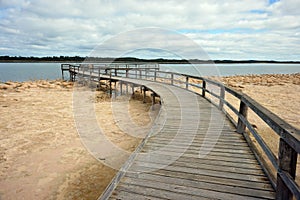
(41, 154)
(278, 93)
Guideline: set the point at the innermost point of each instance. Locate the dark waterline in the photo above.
(51, 71)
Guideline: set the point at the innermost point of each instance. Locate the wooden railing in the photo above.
(289, 146)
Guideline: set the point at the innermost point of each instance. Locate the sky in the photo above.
(221, 29)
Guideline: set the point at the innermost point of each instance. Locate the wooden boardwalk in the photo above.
(196, 150)
(196, 155)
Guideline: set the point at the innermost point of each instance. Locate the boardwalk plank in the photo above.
(142, 167)
(148, 193)
(181, 189)
(212, 179)
(234, 189)
(205, 165)
(212, 153)
(197, 161)
(132, 196)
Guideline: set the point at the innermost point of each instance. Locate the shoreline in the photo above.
(224, 79)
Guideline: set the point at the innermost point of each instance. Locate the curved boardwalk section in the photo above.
(193, 152)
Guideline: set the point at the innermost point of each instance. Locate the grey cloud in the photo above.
(69, 27)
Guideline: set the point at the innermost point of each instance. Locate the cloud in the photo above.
(231, 29)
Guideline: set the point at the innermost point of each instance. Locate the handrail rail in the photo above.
(289, 147)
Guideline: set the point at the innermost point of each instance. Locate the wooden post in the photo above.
(116, 73)
(144, 94)
(155, 75)
(187, 83)
(126, 73)
(203, 88)
(121, 89)
(90, 75)
(132, 89)
(126, 88)
(222, 97)
(287, 158)
(140, 74)
(244, 112)
(70, 72)
(110, 89)
(172, 79)
(70, 76)
(99, 74)
(153, 100)
(62, 73)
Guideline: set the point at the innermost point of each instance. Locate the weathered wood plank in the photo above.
(144, 167)
(222, 146)
(203, 165)
(211, 179)
(196, 152)
(197, 161)
(165, 141)
(181, 189)
(196, 146)
(208, 157)
(169, 135)
(120, 194)
(235, 189)
(148, 192)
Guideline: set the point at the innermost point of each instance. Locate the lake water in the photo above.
(29, 71)
(51, 71)
(233, 69)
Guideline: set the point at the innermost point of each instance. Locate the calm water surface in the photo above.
(51, 71)
(29, 71)
(233, 69)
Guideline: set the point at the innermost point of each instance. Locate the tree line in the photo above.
(128, 59)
